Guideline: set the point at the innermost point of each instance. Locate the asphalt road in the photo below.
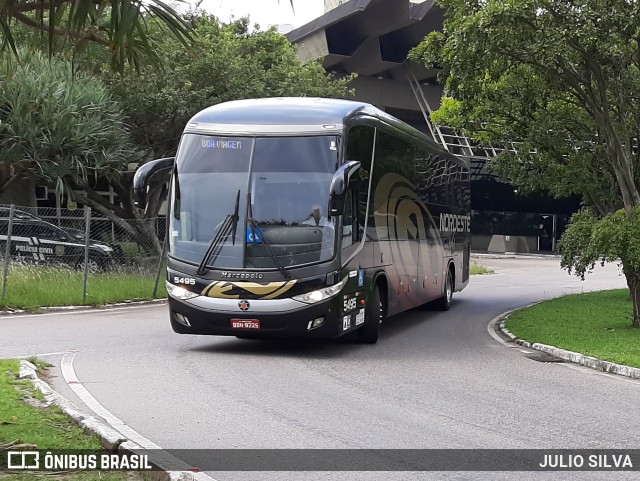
(434, 380)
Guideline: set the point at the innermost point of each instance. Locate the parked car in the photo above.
(76, 234)
(35, 240)
(17, 214)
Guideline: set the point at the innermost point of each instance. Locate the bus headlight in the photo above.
(321, 294)
(180, 292)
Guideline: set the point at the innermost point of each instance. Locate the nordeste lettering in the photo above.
(454, 223)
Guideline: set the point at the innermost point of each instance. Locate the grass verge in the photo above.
(31, 287)
(479, 269)
(596, 324)
(24, 417)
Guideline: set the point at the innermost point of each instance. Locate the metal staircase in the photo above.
(460, 145)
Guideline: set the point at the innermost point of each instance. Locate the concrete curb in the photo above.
(106, 306)
(570, 356)
(45, 310)
(110, 438)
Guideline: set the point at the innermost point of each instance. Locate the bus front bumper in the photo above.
(261, 319)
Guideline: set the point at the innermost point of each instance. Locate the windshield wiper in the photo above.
(285, 273)
(235, 219)
(227, 228)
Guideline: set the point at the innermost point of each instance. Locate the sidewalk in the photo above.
(513, 255)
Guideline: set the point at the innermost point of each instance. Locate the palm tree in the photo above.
(119, 25)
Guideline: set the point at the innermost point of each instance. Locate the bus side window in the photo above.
(360, 148)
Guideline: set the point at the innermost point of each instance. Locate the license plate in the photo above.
(251, 324)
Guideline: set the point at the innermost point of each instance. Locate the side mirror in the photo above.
(142, 175)
(339, 185)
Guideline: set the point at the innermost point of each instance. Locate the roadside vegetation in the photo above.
(25, 420)
(33, 287)
(558, 80)
(595, 324)
(79, 116)
(479, 269)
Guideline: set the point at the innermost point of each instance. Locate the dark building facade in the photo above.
(372, 39)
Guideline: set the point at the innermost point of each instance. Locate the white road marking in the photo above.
(491, 327)
(575, 367)
(492, 331)
(43, 354)
(588, 370)
(69, 375)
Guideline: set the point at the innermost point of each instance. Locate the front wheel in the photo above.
(444, 303)
(368, 333)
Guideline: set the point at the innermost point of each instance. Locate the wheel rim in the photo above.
(92, 267)
(449, 289)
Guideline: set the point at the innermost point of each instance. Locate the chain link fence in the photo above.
(80, 251)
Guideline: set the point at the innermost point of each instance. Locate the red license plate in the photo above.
(251, 324)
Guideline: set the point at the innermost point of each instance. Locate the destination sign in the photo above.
(222, 144)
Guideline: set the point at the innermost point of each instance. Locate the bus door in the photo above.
(355, 260)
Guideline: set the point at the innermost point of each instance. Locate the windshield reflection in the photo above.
(286, 222)
(211, 173)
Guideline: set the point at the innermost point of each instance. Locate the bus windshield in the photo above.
(252, 202)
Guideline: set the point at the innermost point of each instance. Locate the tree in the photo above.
(120, 26)
(56, 127)
(63, 130)
(226, 62)
(561, 78)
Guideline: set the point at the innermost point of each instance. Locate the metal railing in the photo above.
(79, 242)
(465, 147)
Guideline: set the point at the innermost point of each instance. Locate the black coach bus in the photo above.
(309, 217)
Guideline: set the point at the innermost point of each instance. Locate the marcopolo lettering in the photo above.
(454, 223)
(241, 275)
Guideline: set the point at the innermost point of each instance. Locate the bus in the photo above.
(309, 217)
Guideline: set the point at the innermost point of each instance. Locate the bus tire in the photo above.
(444, 302)
(368, 334)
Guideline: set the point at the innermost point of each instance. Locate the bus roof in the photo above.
(293, 116)
(282, 111)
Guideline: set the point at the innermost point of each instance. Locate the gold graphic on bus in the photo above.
(237, 290)
(409, 237)
(399, 212)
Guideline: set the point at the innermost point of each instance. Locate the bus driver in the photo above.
(316, 218)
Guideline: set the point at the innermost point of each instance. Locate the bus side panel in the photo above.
(413, 184)
(438, 186)
(445, 189)
(400, 229)
(462, 278)
(432, 267)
